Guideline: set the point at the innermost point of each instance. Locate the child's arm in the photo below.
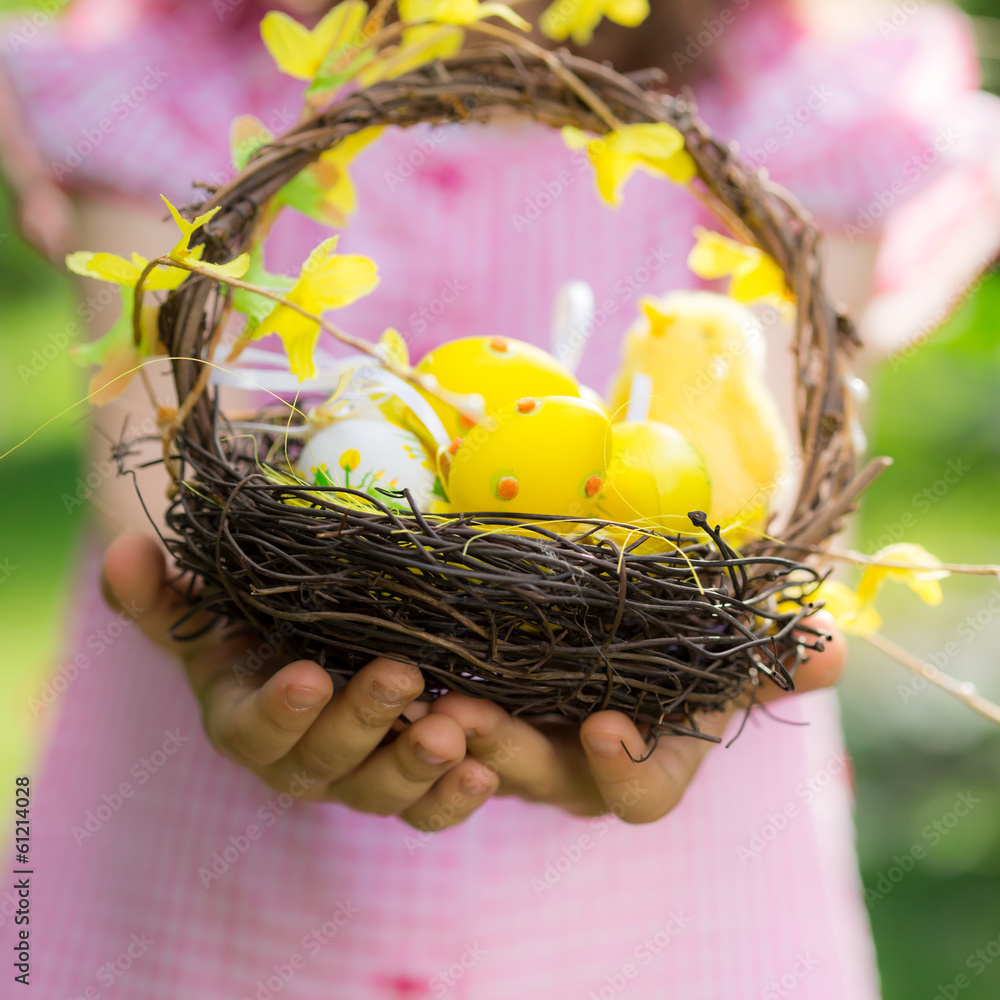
(454, 755)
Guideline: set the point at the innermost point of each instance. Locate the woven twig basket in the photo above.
(539, 621)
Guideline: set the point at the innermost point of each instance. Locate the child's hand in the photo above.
(293, 724)
(425, 775)
(584, 768)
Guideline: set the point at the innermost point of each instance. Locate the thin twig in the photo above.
(964, 692)
(847, 555)
(553, 62)
(459, 401)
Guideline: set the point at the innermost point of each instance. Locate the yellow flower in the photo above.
(921, 573)
(657, 148)
(848, 610)
(111, 267)
(339, 198)
(183, 254)
(300, 52)
(393, 349)
(457, 12)
(435, 34)
(350, 460)
(579, 17)
(421, 44)
(327, 281)
(116, 353)
(324, 190)
(753, 275)
(855, 612)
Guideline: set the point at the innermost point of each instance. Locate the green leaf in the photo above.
(323, 478)
(438, 490)
(246, 137)
(305, 194)
(254, 306)
(330, 78)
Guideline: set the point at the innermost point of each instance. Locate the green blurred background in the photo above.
(914, 750)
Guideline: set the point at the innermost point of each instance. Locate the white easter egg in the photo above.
(366, 454)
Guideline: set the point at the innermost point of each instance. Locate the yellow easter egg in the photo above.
(655, 477)
(537, 455)
(593, 396)
(498, 369)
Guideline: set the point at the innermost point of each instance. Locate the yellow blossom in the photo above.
(327, 281)
(753, 275)
(579, 17)
(116, 354)
(847, 609)
(111, 267)
(183, 254)
(393, 349)
(423, 43)
(920, 571)
(656, 147)
(434, 33)
(300, 52)
(324, 190)
(350, 460)
(457, 12)
(339, 198)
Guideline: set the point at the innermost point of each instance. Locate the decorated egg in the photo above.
(655, 477)
(498, 369)
(536, 455)
(593, 396)
(367, 453)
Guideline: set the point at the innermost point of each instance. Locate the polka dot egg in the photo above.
(535, 455)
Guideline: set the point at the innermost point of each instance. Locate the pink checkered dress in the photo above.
(165, 871)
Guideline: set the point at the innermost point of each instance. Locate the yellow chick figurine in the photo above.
(497, 368)
(537, 455)
(703, 354)
(655, 477)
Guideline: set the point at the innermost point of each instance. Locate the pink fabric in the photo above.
(858, 130)
(750, 884)
(751, 881)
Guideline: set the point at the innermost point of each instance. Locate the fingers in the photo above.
(256, 726)
(393, 779)
(356, 720)
(530, 762)
(643, 791)
(293, 723)
(453, 798)
(821, 669)
(134, 581)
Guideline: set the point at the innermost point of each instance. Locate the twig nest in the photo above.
(525, 594)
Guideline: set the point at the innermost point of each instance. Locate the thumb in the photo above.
(134, 582)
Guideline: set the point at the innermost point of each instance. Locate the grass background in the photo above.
(914, 752)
